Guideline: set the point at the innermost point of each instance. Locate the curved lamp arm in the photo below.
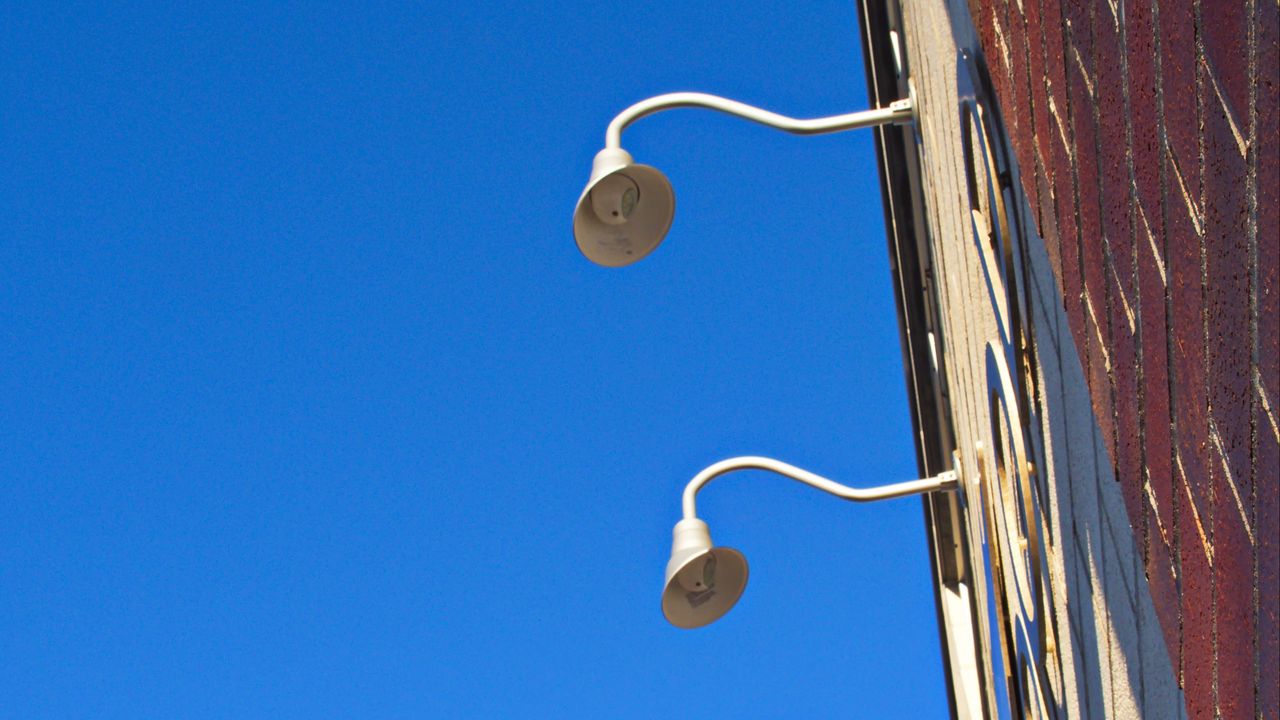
(948, 480)
(898, 111)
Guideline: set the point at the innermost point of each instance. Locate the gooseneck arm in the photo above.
(898, 111)
(948, 480)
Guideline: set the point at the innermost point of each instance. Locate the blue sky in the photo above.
(310, 407)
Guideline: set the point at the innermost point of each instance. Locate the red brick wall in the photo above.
(1146, 136)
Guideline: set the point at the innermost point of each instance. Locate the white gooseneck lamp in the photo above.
(704, 581)
(623, 214)
(626, 208)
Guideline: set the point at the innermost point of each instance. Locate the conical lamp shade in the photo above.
(703, 582)
(624, 212)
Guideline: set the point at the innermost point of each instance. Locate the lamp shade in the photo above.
(703, 582)
(624, 212)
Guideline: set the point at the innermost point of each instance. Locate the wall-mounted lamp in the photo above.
(623, 214)
(626, 208)
(704, 581)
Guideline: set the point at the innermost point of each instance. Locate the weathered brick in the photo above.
(1047, 221)
(1225, 36)
(1099, 378)
(1228, 319)
(984, 21)
(1151, 280)
(1187, 243)
(1267, 456)
(997, 52)
(1053, 36)
(1233, 608)
(1036, 178)
(1141, 48)
(1229, 360)
(1062, 177)
(1128, 448)
(1019, 121)
(1162, 579)
(1268, 204)
(1095, 356)
(1178, 72)
(1268, 525)
(1118, 268)
(1037, 103)
(1113, 124)
(1056, 196)
(1189, 400)
(983, 12)
(1157, 429)
(1227, 267)
(1197, 620)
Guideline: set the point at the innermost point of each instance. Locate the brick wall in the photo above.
(1147, 139)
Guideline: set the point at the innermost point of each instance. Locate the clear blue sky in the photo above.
(310, 408)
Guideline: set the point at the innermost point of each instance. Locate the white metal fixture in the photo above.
(623, 214)
(626, 208)
(703, 581)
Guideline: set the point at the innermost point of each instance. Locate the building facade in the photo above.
(1082, 224)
